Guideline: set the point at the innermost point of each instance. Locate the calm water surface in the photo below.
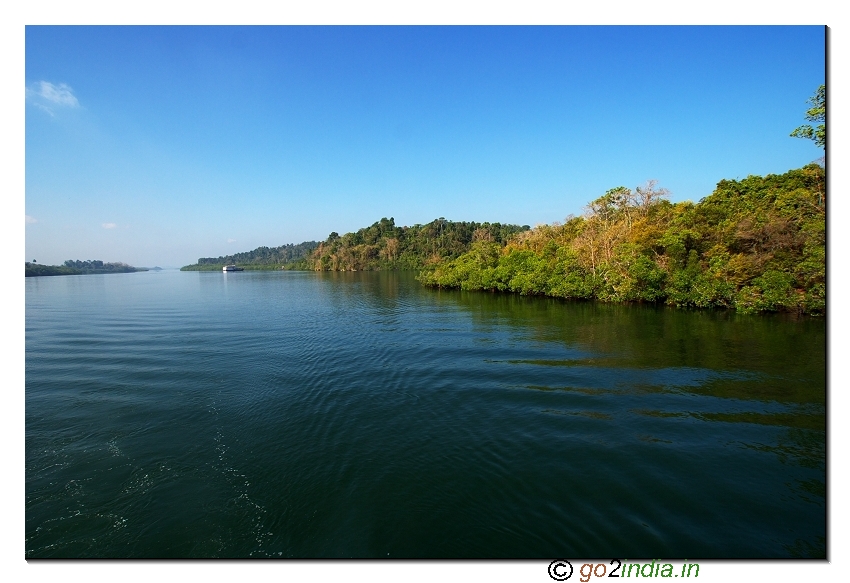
(292, 414)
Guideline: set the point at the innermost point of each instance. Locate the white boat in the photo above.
(232, 268)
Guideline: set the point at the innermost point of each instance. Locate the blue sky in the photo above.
(159, 145)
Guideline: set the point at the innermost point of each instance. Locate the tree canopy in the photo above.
(753, 245)
(290, 256)
(817, 113)
(386, 246)
(77, 267)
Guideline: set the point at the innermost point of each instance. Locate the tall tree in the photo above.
(816, 113)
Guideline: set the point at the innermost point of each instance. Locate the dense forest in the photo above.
(384, 246)
(756, 244)
(77, 267)
(289, 256)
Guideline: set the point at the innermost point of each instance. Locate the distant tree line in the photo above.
(290, 256)
(77, 267)
(97, 266)
(34, 269)
(756, 244)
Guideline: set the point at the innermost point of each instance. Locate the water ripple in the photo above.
(339, 415)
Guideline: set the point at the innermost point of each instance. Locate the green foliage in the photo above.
(385, 246)
(35, 269)
(295, 265)
(289, 256)
(816, 113)
(381, 246)
(754, 245)
(77, 267)
(97, 266)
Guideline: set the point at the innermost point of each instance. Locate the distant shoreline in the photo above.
(85, 268)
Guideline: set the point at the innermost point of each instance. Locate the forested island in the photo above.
(77, 267)
(754, 245)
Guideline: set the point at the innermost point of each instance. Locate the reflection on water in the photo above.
(360, 414)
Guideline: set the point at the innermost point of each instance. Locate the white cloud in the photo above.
(45, 108)
(31, 220)
(231, 240)
(108, 225)
(45, 95)
(60, 94)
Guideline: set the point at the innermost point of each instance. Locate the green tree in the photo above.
(753, 245)
(816, 113)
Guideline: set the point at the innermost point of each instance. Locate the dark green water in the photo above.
(360, 415)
